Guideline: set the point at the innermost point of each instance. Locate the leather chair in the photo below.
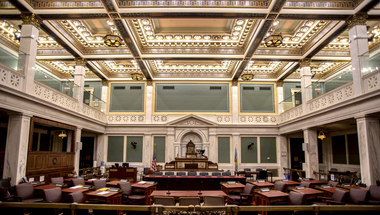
(57, 180)
(296, 198)
(263, 175)
(339, 197)
(248, 175)
(6, 191)
(158, 173)
(243, 198)
(77, 197)
(77, 181)
(216, 174)
(99, 184)
(185, 201)
(25, 193)
(53, 195)
(305, 184)
(280, 186)
(128, 197)
(169, 173)
(374, 195)
(161, 200)
(192, 173)
(181, 173)
(203, 173)
(213, 201)
(358, 196)
(227, 173)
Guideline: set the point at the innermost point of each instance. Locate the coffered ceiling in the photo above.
(191, 39)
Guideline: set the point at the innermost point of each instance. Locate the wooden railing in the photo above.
(159, 210)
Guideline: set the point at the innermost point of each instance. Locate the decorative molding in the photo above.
(80, 61)
(371, 81)
(125, 118)
(258, 119)
(357, 19)
(31, 19)
(43, 4)
(194, 3)
(336, 4)
(306, 62)
(11, 78)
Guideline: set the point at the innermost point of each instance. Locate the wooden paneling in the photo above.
(49, 164)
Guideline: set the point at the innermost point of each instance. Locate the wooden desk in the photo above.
(290, 185)
(315, 183)
(45, 187)
(259, 185)
(188, 193)
(227, 188)
(113, 184)
(191, 182)
(267, 198)
(310, 193)
(66, 192)
(146, 188)
(109, 197)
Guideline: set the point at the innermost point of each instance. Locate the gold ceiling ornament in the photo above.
(137, 76)
(62, 134)
(80, 61)
(273, 40)
(357, 19)
(31, 19)
(306, 62)
(247, 77)
(321, 135)
(112, 40)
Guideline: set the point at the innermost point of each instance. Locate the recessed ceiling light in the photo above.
(147, 27)
(226, 37)
(238, 28)
(239, 22)
(146, 22)
(207, 37)
(149, 33)
(188, 37)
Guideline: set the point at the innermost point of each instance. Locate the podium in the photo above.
(191, 164)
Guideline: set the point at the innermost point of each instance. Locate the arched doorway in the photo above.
(195, 138)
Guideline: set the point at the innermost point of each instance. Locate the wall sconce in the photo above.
(250, 145)
(62, 134)
(321, 135)
(134, 144)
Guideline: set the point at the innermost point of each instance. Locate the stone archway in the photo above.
(194, 137)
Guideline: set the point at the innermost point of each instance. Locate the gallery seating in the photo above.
(25, 193)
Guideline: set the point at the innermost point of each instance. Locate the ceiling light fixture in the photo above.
(321, 135)
(62, 134)
(247, 77)
(112, 40)
(273, 40)
(137, 76)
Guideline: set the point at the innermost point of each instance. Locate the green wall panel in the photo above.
(191, 97)
(134, 154)
(159, 143)
(257, 98)
(127, 97)
(248, 155)
(223, 150)
(268, 150)
(115, 149)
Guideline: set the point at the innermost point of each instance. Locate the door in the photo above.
(297, 154)
(87, 152)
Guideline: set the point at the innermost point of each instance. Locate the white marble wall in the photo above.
(78, 135)
(311, 164)
(369, 149)
(283, 155)
(16, 151)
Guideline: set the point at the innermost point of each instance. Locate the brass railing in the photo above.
(159, 210)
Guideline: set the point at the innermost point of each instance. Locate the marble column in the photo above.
(280, 96)
(358, 50)
(369, 149)
(101, 149)
(16, 150)
(311, 164)
(28, 49)
(282, 142)
(169, 149)
(147, 150)
(235, 103)
(213, 149)
(78, 145)
(79, 75)
(104, 96)
(149, 102)
(306, 88)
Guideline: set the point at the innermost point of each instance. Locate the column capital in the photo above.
(357, 19)
(234, 83)
(80, 61)
(104, 83)
(31, 19)
(149, 83)
(306, 62)
(280, 83)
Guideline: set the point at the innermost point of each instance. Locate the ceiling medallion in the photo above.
(137, 76)
(273, 40)
(112, 40)
(247, 77)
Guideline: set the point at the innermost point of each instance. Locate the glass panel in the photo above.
(268, 150)
(8, 59)
(115, 148)
(249, 149)
(374, 62)
(353, 149)
(223, 150)
(192, 98)
(134, 148)
(159, 144)
(127, 97)
(339, 149)
(292, 101)
(257, 98)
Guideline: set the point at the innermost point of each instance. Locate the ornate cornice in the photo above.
(357, 19)
(31, 19)
(305, 62)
